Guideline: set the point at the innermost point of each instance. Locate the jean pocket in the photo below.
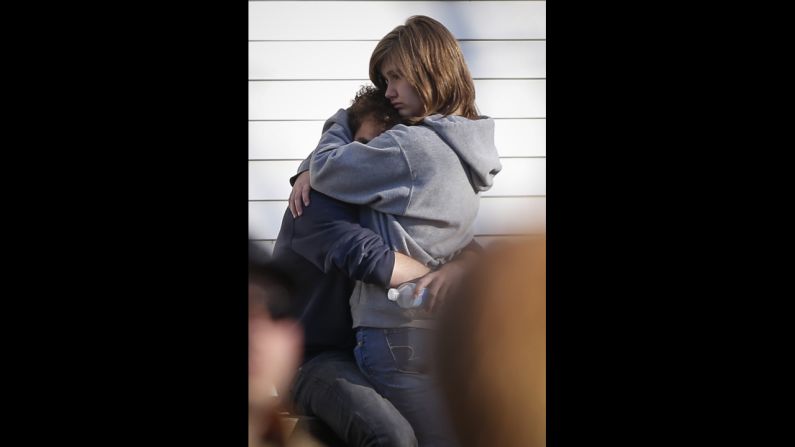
(409, 349)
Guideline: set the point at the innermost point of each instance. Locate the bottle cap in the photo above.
(393, 294)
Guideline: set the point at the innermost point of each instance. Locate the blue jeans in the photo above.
(397, 361)
(331, 388)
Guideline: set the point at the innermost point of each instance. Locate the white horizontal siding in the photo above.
(294, 140)
(350, 60)
(303, 100)
(265, 219)
(268, 180)
(497, 216)
(521, 137)
(520, 177)
(351, 20)
(307, 59)
(511, 215)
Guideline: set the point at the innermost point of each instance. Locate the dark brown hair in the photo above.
(371, 102)
(430, 59)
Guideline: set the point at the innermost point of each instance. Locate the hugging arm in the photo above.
(376, 174)
(443, 282)
(329, 235)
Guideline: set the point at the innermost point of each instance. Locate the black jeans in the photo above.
(331, 388)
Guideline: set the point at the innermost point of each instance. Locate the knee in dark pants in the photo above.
(398, 435)
(320, 431)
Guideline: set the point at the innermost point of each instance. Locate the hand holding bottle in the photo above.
(429, 291)
(404, 295)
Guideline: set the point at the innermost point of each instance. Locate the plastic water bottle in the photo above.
(404, 296)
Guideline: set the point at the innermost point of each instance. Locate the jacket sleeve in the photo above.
(376, 174)
(328, 234)
(304, 166)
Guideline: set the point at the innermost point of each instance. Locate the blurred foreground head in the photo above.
(492, 349)
(274, 344)
(269, 288)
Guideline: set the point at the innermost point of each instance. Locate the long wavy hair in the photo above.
(428, 56)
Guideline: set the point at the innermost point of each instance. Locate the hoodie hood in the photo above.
(473, 142)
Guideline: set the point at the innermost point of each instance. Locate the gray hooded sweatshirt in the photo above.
(419, 186)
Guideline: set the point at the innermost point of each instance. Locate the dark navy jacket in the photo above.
(322, 252)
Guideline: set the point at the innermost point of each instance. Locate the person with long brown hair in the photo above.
(420, 183)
